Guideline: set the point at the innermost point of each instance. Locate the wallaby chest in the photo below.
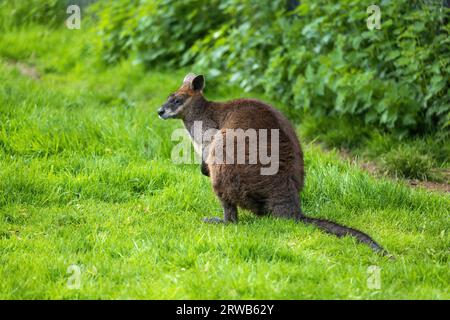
(200, 132)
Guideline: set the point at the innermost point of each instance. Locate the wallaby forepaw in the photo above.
(213, 220)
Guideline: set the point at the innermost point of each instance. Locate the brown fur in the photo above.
(242, 185)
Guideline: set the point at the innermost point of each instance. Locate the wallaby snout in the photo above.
(162, 112)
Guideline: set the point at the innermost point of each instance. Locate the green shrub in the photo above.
(324, 59)
(321, 57)
(408, 162)
(345, 132)
(116, 25)
(158, 31)
(52, 13)
(15, 13)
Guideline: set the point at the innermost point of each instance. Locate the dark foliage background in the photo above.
(319, 56)
(315, 56)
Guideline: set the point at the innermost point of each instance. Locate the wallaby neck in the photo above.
(200, 112)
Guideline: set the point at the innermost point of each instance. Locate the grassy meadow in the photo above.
(86, 179)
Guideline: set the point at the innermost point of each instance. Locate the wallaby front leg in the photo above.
(204, 168)
(229, 214)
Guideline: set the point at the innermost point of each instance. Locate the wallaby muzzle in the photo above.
(164, 112)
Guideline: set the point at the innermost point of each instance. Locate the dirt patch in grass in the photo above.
(429, 185)
(25, 69)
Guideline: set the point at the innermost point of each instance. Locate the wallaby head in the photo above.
(185, 99)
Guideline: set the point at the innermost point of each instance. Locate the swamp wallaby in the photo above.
(243, 184)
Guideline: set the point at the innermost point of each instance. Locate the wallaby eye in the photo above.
(177, 101)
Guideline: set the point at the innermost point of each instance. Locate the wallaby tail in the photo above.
(341, 231)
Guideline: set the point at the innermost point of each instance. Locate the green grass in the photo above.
(86, 179)
(421, 157)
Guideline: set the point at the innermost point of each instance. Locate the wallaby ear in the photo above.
(195, 82)
(198, 83)
(189, 78)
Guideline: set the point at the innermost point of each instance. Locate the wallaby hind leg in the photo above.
(285, 208)
(229, 214)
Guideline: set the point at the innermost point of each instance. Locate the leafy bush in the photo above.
(52, 13)
(19, 13)
(159, 31)
(320, 57)
(117, 26)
